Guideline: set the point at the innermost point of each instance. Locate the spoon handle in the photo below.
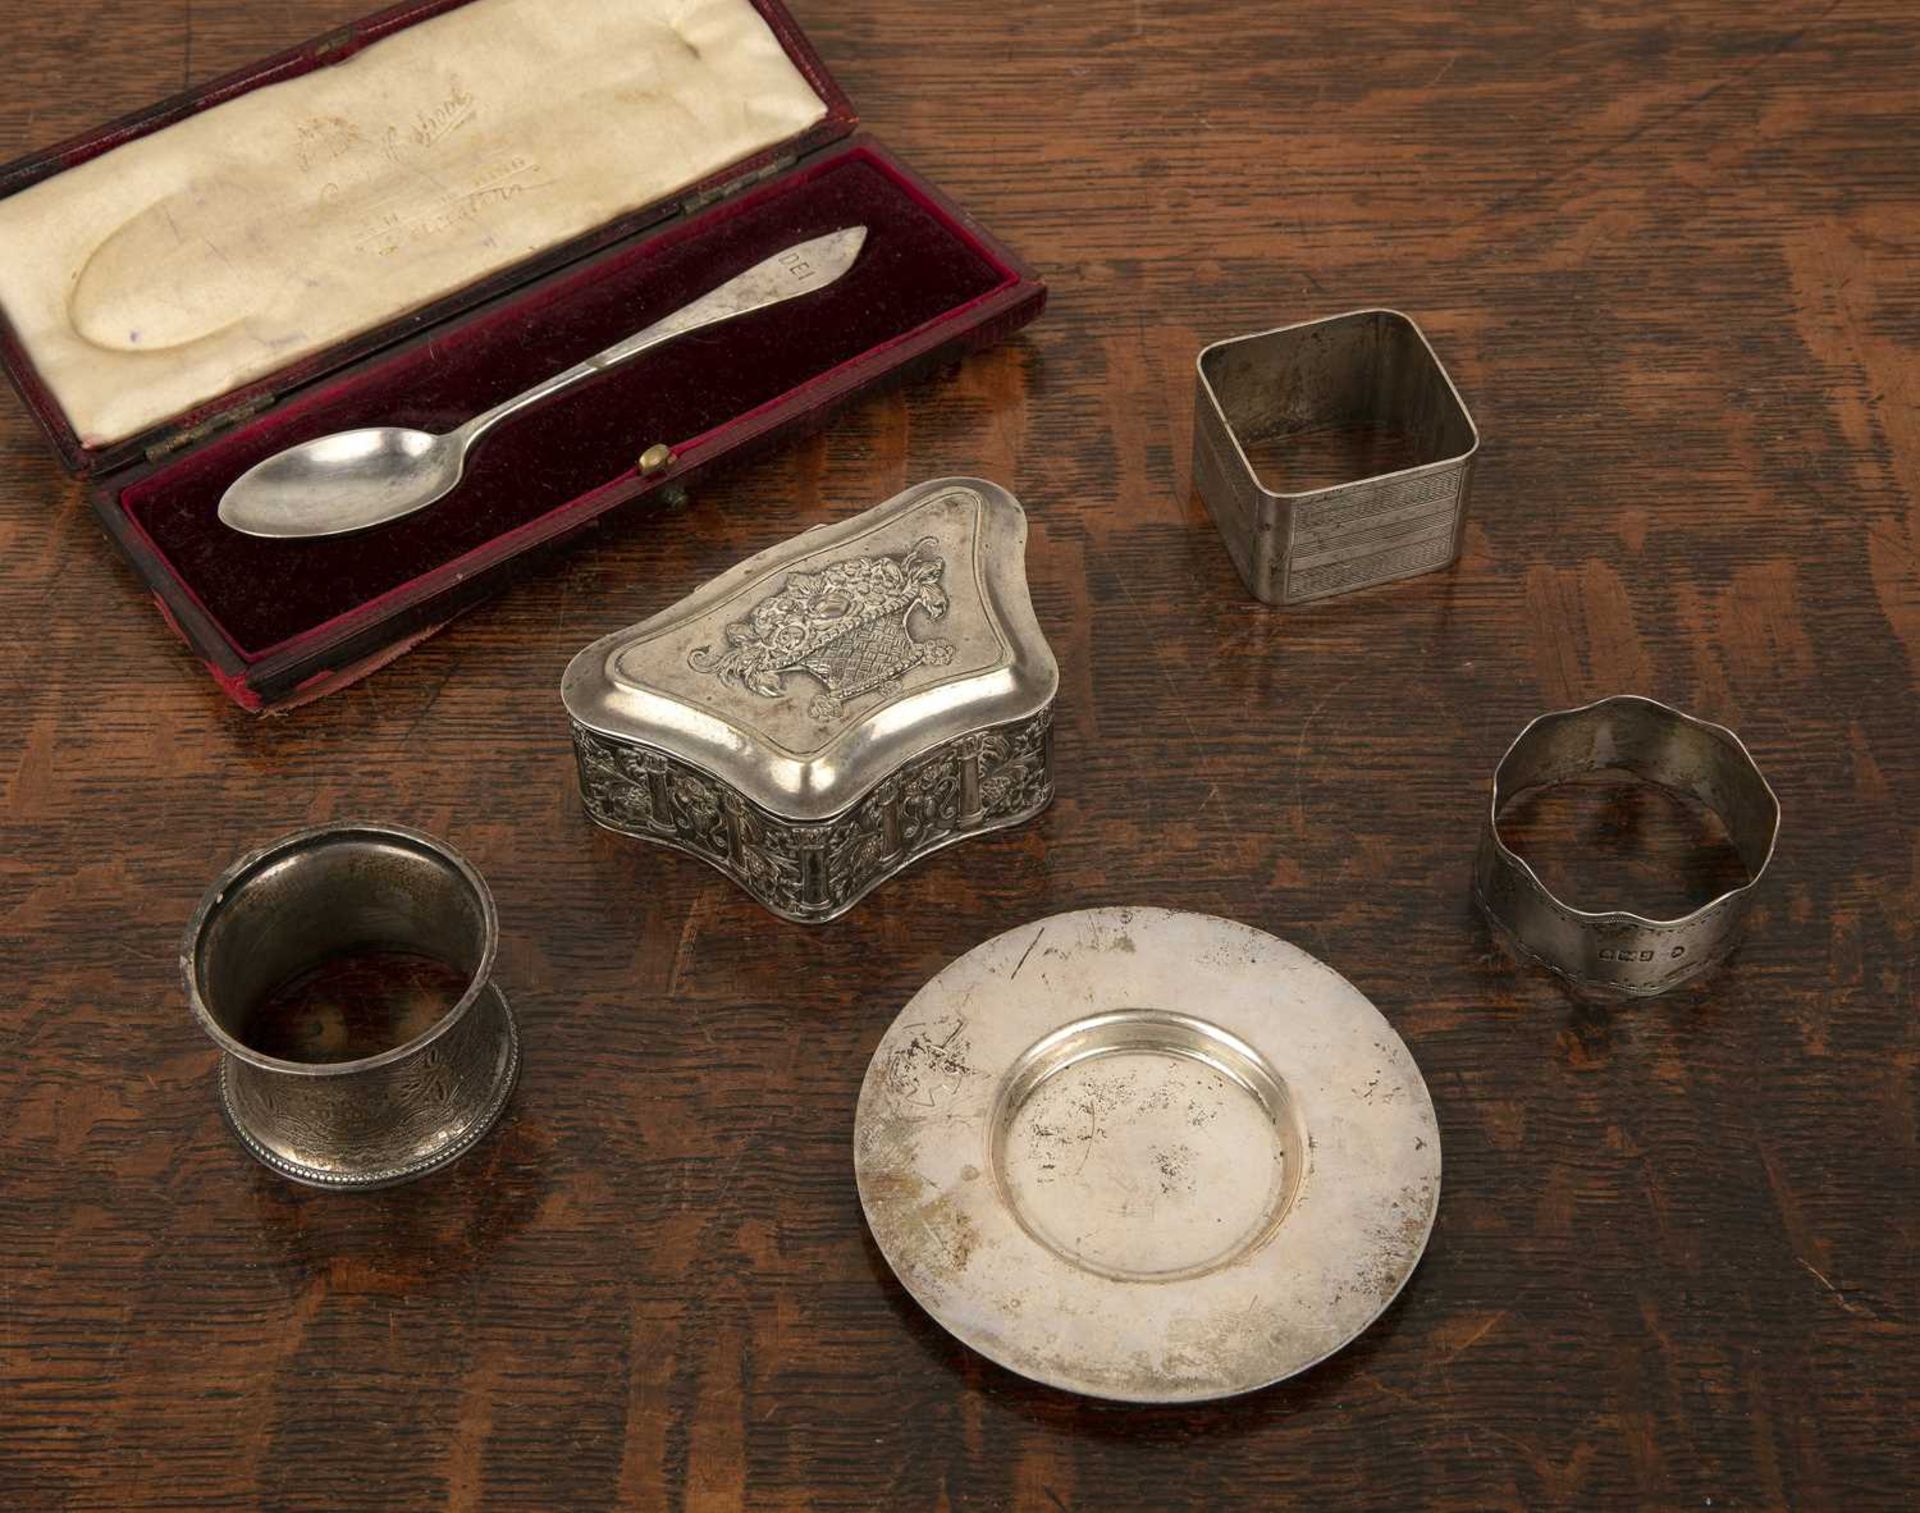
(799, 270)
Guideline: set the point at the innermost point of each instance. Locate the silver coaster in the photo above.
(1147, 1155)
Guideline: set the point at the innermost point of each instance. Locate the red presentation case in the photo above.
(281, 622)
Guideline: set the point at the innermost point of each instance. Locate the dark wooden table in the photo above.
(1671, 253)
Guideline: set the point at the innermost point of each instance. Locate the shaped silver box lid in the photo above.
(834, 708)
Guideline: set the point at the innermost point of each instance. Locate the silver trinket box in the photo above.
(826, 713)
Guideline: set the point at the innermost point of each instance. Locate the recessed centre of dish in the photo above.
(1146, 1146)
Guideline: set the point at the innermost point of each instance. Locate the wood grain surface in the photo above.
(1671, 255)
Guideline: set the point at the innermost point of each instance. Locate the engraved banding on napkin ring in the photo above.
(1618, 950)
(345, 974)
(1368, 373)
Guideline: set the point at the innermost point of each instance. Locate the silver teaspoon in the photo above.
(353, 479)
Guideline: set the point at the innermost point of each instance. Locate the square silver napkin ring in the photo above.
(1367, 368)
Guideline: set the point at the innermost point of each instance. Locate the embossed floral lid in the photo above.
(810, 672)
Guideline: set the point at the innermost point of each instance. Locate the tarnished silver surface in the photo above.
(1616, 950)
(308, 898)
(1147, 1155)
(833, 709)
(1369, 369)
(355, 479)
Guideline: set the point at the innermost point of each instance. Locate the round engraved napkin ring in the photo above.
(1617, 950)
(382, 1118)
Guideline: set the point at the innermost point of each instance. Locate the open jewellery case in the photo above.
(414, 217)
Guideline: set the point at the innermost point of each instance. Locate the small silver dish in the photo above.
(832, 710)
(345, 974)
(1368, 372)
(1147, 1155)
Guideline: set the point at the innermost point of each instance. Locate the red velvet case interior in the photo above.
(919, 265)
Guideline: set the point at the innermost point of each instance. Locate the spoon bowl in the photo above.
(352, 480)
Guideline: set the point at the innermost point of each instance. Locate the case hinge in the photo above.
(706, 197)
(337, 45)
(207, 427)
